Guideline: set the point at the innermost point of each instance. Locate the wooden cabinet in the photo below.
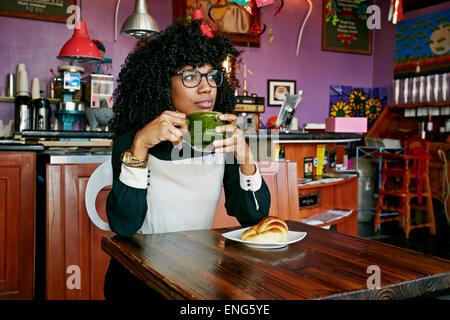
(299, 151)
(76, 265)
(317, 198)
(17, 220)
(342, 194)
(281, 179)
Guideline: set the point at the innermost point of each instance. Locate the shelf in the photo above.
(66, 134)
(76, 143)
(344, 179)
(11, 99)
(419, 105)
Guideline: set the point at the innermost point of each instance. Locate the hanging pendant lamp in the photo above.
(80, 48)
(140, 24)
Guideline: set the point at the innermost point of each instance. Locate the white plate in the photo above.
(293, 236)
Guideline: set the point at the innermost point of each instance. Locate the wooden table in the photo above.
(324, 265)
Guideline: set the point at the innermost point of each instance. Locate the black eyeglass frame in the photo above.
(181, 72)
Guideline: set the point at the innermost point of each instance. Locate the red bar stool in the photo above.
(411, 168)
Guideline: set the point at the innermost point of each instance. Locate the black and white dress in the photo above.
(180, 189)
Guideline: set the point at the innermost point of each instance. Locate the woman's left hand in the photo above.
(235, 143)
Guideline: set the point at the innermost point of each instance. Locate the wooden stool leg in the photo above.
(379, 209)
(407, 216)
(430, 208)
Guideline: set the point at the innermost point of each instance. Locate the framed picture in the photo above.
(55, 10)
(277, 90)
(230, 19)
(344, 27)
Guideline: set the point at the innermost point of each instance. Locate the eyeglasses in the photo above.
(192, 78)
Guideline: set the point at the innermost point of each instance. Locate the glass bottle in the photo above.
(42, 113)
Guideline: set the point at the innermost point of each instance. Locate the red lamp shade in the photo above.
(80, 48)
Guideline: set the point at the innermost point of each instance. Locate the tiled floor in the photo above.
(419, 239)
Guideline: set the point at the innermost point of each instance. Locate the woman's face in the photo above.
(189, 100)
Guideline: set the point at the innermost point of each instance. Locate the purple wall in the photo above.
(314, 70)
(37, 43)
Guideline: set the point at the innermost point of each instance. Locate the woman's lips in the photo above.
(204, 104)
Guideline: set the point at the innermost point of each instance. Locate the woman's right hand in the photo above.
(168, 126)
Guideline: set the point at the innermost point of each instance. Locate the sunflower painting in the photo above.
(340, 109)
(347, 101)
(373, 109)
(357, 101)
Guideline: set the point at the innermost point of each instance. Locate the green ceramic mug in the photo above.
(202, 127)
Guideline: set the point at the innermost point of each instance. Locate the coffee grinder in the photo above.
(248, 109)
(69, 110)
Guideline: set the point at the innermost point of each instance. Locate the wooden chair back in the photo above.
(415, 145)
(281, 179)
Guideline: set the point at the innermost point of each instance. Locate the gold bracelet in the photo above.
(129, 160)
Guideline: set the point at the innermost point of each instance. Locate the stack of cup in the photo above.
(445, 87)
(22, 80)
(11, 86)
(35, 88)
(431, 88)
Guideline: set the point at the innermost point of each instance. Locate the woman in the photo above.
(164, 80)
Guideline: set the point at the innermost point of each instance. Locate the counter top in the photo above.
(11, 146)
(301, 135)
(298, 136)
(67, 134)
(82, 158)
(269, 134)
(274, 136)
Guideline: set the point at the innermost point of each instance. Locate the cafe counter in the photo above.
(37, 187)
(304, 149)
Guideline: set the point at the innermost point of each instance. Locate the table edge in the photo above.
(410, 289)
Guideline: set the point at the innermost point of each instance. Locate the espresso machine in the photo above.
(70, 109)
(248, 109)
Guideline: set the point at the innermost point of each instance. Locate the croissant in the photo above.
(268, 230)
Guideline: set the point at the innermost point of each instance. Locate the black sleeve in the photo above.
(126, 207)
(240, 203)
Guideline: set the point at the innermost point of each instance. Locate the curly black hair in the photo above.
(145, 78)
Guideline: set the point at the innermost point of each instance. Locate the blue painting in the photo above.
(423, 45)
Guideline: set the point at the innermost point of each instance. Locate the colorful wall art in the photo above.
(423, 45)
(348, 101)
(344, 27)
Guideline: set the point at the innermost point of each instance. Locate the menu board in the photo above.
(49, 10)
(344, 26)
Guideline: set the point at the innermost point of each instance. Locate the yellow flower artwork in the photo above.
(340, 109)
(349, 101)
(373, 108)
(357, 101)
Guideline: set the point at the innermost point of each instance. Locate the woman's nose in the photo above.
(204, 86)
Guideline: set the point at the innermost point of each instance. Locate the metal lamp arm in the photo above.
(115, 20)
